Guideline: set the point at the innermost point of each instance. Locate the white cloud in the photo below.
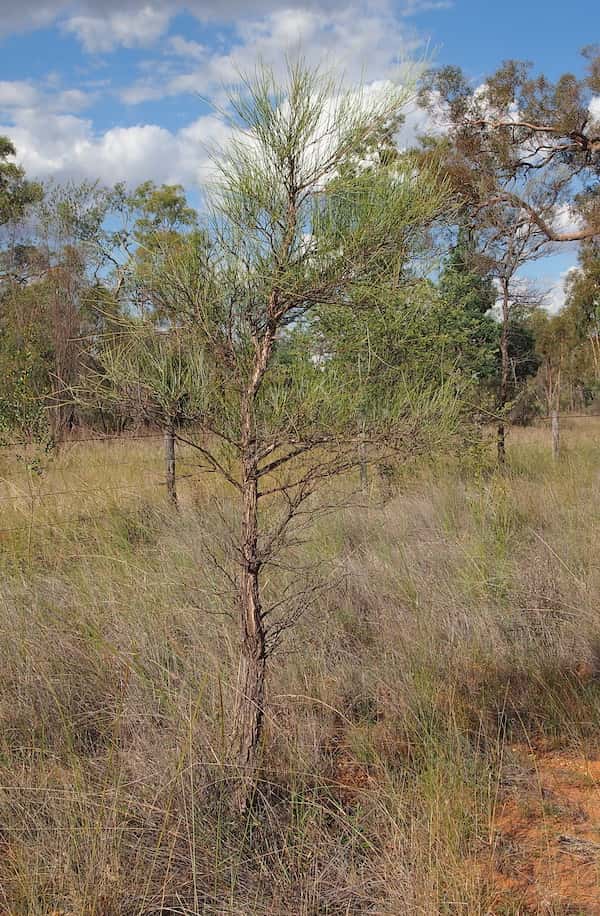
(554, 298)
(104, 24)
(17, 94)
(60, 144)
(70, 100)
(182, 47)
(567, 219)
(362, 41)
(64, 147)
(18, 98)
(365, 39)
(128, 28)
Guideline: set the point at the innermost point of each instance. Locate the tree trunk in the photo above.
(362, 460)
(170, 466)
(504, 372)
(250, 688)
(555, 434)
(64, 303)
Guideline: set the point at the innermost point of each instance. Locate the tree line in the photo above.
(338, 303)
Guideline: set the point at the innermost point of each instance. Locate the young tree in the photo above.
(558, 341)
(152, 374)
(290, 232)
(22, 347)
(68, 229)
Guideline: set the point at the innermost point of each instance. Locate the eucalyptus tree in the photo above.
(560, 345)
(17, 193)
(508, 191)
(541, 137)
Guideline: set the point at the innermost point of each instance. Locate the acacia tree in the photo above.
(290, 232)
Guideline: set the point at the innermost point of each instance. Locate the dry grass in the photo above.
(466, 619)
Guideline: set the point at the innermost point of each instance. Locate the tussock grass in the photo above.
(464, 619)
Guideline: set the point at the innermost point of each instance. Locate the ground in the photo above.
(546, 834)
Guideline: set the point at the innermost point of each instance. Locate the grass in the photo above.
(465, 622)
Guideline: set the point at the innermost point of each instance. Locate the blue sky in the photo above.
(123, 89)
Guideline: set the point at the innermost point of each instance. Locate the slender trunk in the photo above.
(504, 371)
(555, 413)
(170, 466)
(250, 688)
(64, 327)
(593, 338)
(362, 460)
(555, 434)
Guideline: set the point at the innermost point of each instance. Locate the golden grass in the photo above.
(466, 618)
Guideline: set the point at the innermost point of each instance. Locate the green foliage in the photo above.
(468, 296)
(160, 210)
(152, 375)
(523, 355)
(22, 416)
(583, 288)
(16, 193)
(26, 360)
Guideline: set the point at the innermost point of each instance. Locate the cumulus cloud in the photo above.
(104, 24)
(366, 39)
(18, 97)
(17, 94)
(63, 146)
(102, 32)
(554, 298)
(352, 40)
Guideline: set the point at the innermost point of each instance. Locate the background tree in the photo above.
(479, 167)
(154, 375)
(558, 342)
(22, 344)
(583, 297)
(542, 137)
(469, 295)
(17, 194)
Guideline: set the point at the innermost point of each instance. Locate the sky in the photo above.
(126, 90)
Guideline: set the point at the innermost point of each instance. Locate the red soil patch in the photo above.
(546, 837)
